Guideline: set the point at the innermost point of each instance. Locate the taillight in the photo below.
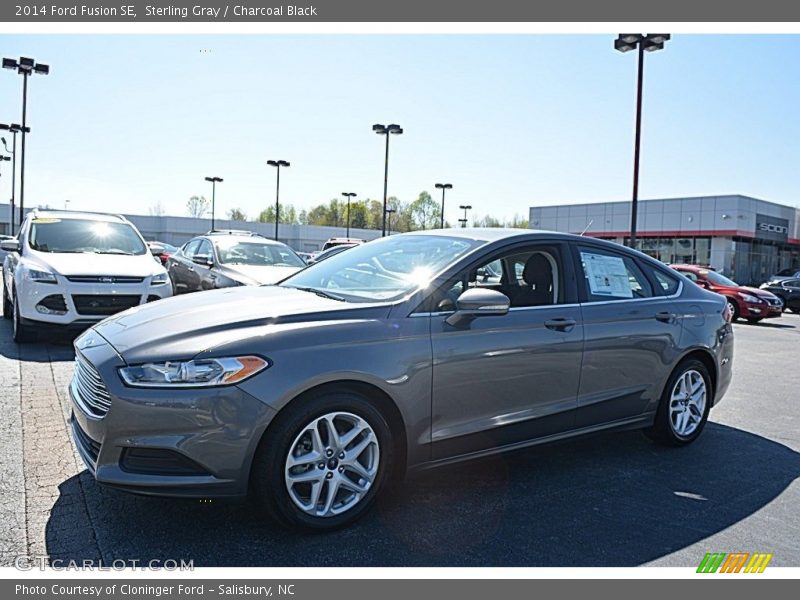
(727, 313)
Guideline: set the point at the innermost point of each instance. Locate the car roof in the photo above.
(74, 214)
(243, 238)
(492, 234)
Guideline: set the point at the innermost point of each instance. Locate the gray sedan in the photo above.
(406, 353)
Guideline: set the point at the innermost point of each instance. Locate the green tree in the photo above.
(288, 214)
(426, 213)
(487, 221)
(359, 217)
(197, 206)
(237, 214)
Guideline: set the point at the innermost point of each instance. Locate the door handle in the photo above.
(665, 317)
(560, 324)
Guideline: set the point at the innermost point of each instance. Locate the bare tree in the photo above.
(157, 209)
(197, 206)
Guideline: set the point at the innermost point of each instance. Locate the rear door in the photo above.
(179, 266)
(632, 329)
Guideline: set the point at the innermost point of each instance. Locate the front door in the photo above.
(501, 380)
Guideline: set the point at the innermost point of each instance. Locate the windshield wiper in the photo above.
(318, 292)
(114, 252)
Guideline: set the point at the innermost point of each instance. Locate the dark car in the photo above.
(745, 302)
(227, 259)
(790, 273)
(399, 354)
(788, 290)
(161, 250)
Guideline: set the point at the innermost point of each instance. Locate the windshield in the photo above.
(260, 254)
(718, 279)
(84, 235)
(385, 269)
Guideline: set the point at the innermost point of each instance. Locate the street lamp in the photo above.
(650, 42)
(388, 213)
(443, 187)
(465, 208)
(393, 129)
(277, 164)
(348, 195)
(14, 128)
(214, 181)
(24, 66)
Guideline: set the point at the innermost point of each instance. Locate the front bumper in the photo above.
(762, 310)
(213, 432)
(78, 300)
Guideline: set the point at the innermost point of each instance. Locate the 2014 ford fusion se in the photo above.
(405, 353)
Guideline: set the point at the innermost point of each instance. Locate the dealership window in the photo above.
(672, 250)
(612, 276)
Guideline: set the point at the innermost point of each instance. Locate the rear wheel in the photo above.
(22, 333)
(734, 310)
(323, 463)
(684, 407)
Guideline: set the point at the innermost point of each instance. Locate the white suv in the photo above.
(74, 269)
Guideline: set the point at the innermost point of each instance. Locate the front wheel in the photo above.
(324, 461)
(684, 407)
(734, 310)
(8, 309)
(22, 333)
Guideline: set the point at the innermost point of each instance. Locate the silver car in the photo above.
(406, 353)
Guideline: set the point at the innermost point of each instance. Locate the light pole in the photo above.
(465, 208)
(348, 195)
(386, 130)
(214, 181)
(388, 212)
(649, 42)
(14, 128)
(277, 164)
(24, 66)
(443, 187)
(2, 159)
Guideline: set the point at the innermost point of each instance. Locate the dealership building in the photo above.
(744, 238)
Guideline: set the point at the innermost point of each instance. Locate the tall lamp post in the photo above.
(24, 66)
(14, 128)
(465, 208)
(650, 42)
(386, 130)
(2, 159)
(277, 164)
(443, 187)
(214, 181)
(388, 213)
(348, 195)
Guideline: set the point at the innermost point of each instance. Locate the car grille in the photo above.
(89, 389)
(104, 279)
(88, 448)
(88, 304)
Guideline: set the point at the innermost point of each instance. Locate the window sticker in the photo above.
(607, 275)
(43, 220)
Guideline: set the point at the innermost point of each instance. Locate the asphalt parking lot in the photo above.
(608, 500)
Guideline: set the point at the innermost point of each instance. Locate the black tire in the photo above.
(734, 310)
(22, 333)
(267, 477)
(753, 321)
(662, 431)
(8, 309)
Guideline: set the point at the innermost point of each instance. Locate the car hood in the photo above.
(183, 326)
(69, 264)
(757, 292)
(258, 274)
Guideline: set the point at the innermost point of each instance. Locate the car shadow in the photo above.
(607, 500)
(56, 346)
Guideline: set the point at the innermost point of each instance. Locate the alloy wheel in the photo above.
(332, 464)
(687, 403)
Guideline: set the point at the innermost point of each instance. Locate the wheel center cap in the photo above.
(332, 463)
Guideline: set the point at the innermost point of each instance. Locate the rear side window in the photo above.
(608, 275)
(191, 248)
(667, 283)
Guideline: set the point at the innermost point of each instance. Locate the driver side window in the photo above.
(528, 276)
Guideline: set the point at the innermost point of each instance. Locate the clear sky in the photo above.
(512, 121)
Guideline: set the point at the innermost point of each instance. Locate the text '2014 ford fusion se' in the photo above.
(404, 353)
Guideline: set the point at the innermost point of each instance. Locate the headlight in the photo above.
(159, 279)
(750, 298)
(41, 276)
(193, 373)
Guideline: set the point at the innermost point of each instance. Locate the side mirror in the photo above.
(478, 302)
(703, 283)
(10, 245)
(203, 260)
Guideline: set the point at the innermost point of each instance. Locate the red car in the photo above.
(748, 303)
(161, 250)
